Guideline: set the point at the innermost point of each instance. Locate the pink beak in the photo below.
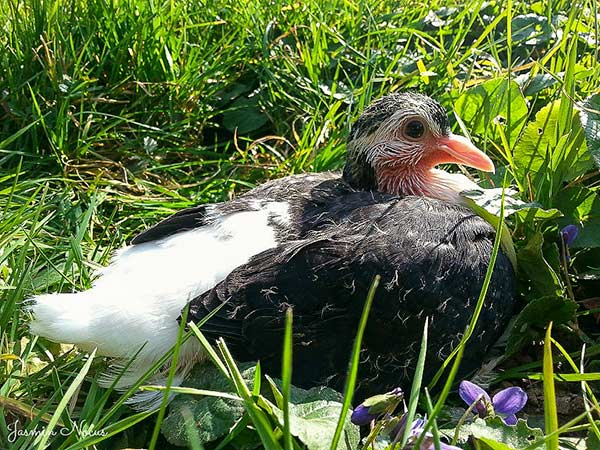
(455, 149)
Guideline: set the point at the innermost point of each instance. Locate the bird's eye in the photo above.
(414, 129)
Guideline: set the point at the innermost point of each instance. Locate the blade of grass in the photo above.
(550, 412)
(434, 428)
(257, 415)
(239, 426)
(353, 365)
(416, 385)
(193, 439)
(210, 351)
(482, 294)
(286, 378)
(257, 379)
(65, 401)
(170, 377)
(191, 391)
(99, 435)
(442, 398)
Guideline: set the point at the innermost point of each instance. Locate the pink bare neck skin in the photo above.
(396, 178)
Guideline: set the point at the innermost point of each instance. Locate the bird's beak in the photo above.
(460, 150)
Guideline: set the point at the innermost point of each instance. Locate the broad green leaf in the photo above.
(299, 395)
(497, 435)
(485, 110)
(592, 440)
(542, 280)
(531, 85)
(491, 200)
(537, 314)
(490, 444)
(590, 121)
(247, 439)
(244, 116)
(317, 410)
(314, 424)
(546, 155)
(581, 207)
(531, 29)
(213, 417)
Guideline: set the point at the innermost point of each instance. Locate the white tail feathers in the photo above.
(135, 342)
(136, 300)
(61, 318)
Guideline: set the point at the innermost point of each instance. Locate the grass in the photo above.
(118, 113)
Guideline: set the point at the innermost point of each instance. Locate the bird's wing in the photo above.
(432, 259)
(315, 278)
(276, 197)
(186, 219)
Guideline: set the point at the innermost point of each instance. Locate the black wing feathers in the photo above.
(432, 258)
(186, 219)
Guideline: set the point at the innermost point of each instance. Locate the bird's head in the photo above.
(397, 142)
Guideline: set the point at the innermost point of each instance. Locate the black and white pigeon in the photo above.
(313, 242)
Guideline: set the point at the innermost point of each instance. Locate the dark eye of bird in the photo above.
(414, 129)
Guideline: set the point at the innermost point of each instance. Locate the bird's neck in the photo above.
(425, 182)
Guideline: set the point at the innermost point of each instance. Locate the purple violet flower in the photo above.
(569, 234)
(505, 403)
(361, 416)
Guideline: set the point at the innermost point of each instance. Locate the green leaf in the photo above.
(590, 122)
(299, 395)
(247, 439)
(538, 313)
(531, 85)
(531, 29)
(547, 155)
(314, 424)
(314, 414)
(244, 115)
(542, 280)
(569, 377)
(213, 417)
(486, 443)
(497, 435)
(485, 110)
(491, 201)
(592, 440)
(581, 206)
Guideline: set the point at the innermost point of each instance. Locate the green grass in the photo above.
(115, 114)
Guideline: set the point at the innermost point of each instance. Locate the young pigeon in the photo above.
(313, 242)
